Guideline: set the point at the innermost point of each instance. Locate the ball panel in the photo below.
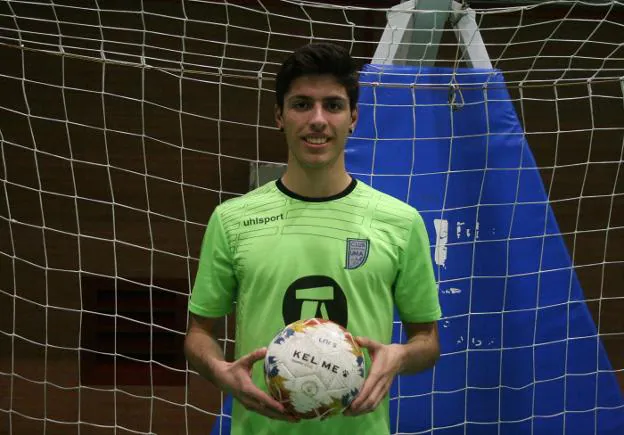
(315, 368)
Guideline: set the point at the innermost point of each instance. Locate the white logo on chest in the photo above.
(357, 253)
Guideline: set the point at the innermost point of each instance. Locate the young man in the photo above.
(315, 238)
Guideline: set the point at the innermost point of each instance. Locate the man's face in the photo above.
(316, 120)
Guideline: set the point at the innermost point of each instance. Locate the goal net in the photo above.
(123, 124)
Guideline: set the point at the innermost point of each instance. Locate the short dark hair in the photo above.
(319, 59)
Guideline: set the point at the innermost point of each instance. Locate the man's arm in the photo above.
(201, 348)
(422, 348)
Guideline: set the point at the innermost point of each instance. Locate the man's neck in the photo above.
(316, 183)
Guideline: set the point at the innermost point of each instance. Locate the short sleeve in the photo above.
(415, 288)
(215, 282)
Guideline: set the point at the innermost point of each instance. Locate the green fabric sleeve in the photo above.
(215, 283)
(415, 289)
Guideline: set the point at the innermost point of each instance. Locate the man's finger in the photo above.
(374, 386)
(369, 344)
(258, 401)
(268, 412)
(263, 398)
(375, 396)
(372, 346)
(362, 395)
(262, 409)
(369, 383)
(249, 359)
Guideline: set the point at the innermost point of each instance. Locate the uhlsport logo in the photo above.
(263, 220)
(357, 253)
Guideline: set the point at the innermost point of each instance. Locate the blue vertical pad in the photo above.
(521, 352)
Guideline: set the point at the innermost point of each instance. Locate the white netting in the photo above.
(122, 125)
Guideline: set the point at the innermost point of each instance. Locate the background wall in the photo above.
(165, 164)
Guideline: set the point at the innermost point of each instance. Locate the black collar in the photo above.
(294, 195)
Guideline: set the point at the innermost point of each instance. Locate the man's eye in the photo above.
(334, 106)
(300, 105)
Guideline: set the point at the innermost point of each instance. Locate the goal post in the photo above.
(415, 28)
(413, 32)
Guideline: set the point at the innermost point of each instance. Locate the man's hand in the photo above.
(205, 354)
(386, 363)
(419, 353)
(235, 377)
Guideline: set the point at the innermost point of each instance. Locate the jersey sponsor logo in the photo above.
(357, 253)
(315, 296)
(263, 220)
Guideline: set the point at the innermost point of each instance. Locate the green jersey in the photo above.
(278, 257)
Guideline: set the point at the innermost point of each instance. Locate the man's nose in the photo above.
(317, 117)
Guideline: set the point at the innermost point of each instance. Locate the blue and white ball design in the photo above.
(314, 368)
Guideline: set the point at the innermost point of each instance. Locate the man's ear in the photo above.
(278, 117)
(354, 117)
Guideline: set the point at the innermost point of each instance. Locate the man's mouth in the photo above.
(316, 140)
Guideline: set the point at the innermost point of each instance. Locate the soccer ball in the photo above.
(314, 368)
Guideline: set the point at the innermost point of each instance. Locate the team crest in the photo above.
(357, 253)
